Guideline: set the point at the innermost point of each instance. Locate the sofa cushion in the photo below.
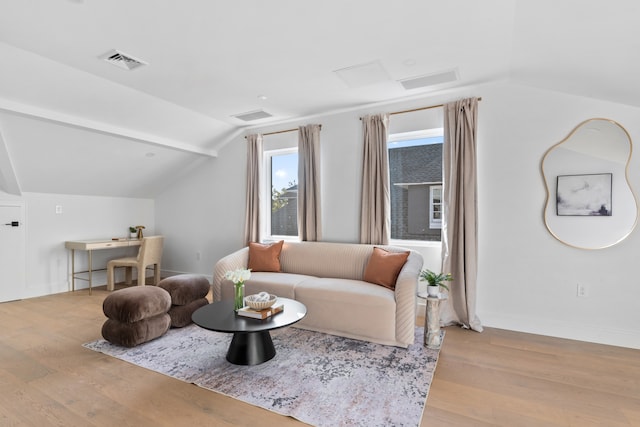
(280, 284)
(384, 266)
(325, 259)
(265, 257)
(367, 309)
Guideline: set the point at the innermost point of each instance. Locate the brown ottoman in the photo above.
(188, 293)
(136, 315)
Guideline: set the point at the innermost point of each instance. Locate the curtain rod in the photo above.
(419, 109)
(280, 131)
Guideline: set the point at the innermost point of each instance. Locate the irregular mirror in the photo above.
(590, 203)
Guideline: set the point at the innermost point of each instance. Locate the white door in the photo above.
(12, 251)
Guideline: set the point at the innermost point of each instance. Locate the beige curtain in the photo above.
(375, 215)
(460, 223)
(309, 221)
(254, 168)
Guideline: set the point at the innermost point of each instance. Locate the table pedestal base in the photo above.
(251, 348)
(432, 337)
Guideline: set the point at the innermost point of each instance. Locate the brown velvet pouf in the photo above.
(136, 315)
(188, 293)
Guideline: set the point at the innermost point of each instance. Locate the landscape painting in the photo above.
(584, 195)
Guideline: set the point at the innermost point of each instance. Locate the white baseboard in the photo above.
(602, 334)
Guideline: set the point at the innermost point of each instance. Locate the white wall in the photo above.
(203, 214)
(527, 280)
(48, 263)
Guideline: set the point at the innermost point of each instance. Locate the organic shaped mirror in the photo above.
(590, 203)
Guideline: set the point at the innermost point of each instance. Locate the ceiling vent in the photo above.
(122, 60)
(252, 115)
(430, 79)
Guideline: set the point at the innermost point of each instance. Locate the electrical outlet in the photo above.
(581, 291)
(58, 209)
(198, 256)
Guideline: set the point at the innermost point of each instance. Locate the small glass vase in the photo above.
(238, 300)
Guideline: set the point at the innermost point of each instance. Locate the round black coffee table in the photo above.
(251, 343)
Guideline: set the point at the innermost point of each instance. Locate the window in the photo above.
(415, 174)
(435, 207)
(281, 208)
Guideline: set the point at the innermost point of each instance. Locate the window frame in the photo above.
(434, 222)
(265, 215)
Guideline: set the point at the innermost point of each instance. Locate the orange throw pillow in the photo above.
(265, 257)
(384, 266)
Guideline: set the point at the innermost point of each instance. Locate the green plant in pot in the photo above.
(435, 281)
(136, 231)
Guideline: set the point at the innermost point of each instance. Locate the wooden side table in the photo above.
(432, 337)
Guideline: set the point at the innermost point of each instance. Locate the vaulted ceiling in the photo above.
(72, 123)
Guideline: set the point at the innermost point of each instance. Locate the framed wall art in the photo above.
(584, 195)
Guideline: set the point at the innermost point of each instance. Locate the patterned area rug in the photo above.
(319, 379)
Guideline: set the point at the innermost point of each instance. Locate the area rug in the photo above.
(319, 379)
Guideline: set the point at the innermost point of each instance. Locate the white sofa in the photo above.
(328, 279)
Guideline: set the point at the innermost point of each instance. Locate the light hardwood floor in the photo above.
(494, 378)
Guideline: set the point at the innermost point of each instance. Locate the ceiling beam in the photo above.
(104, 128)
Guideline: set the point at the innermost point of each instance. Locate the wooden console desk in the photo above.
(89, 246)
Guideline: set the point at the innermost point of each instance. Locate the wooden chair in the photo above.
(150, 253)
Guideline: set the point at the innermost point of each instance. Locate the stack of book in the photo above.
(261, 314)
